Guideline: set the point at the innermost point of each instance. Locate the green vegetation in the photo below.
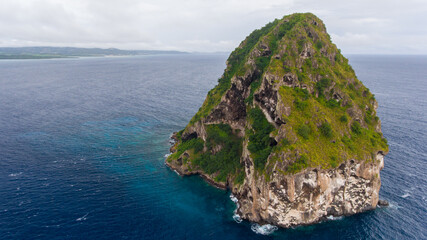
(240, 178)
(235, 66)
(332, 116)
(318, 121)
(326, 129)
(272, 40)
(304, 131)
(223, 155)
(333, 141)
(260, 143)
(254, 86)
(261, 64)
(319, 45)
(322, 85)
(237, 59)
(179, 134)
(285, 27)
(298, 165)
(195, 143)
(334, 161)
(356, 128)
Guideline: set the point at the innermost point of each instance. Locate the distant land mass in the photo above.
(65, 52)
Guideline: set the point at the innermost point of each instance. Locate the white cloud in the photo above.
(381, 26)
(202, 45)
(371, 20)
(352, 38)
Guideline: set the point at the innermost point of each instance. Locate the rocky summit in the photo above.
(289, 129)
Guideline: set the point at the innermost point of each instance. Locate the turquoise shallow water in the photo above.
(83, 142)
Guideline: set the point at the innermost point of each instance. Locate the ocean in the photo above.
(83, 144)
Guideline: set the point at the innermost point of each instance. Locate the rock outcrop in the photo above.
(289, 129)
(312, 195)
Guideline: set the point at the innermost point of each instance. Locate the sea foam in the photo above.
(236, 216)
(15, 174)
(332, 218)
(233, 198)
(266, 229)
(406, 195)
(82, 218)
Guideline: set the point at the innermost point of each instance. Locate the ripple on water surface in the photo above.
(84, 140)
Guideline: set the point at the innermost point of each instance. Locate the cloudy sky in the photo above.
(359, 26)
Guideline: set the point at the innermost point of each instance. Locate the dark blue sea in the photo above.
(82, 146)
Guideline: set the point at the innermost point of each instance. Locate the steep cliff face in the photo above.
(289, 129)
(311, 195)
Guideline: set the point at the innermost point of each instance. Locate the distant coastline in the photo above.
(71, 52)
(29, 56)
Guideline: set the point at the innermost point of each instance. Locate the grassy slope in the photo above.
(319, 131)
(235, 66)
(325, 134)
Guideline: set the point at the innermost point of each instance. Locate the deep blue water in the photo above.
(82, 145)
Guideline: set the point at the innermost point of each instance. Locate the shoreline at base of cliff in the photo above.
(289, 129)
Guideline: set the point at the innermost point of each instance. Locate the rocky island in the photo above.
(289, 129)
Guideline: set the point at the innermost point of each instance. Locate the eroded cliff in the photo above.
(289, 129)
